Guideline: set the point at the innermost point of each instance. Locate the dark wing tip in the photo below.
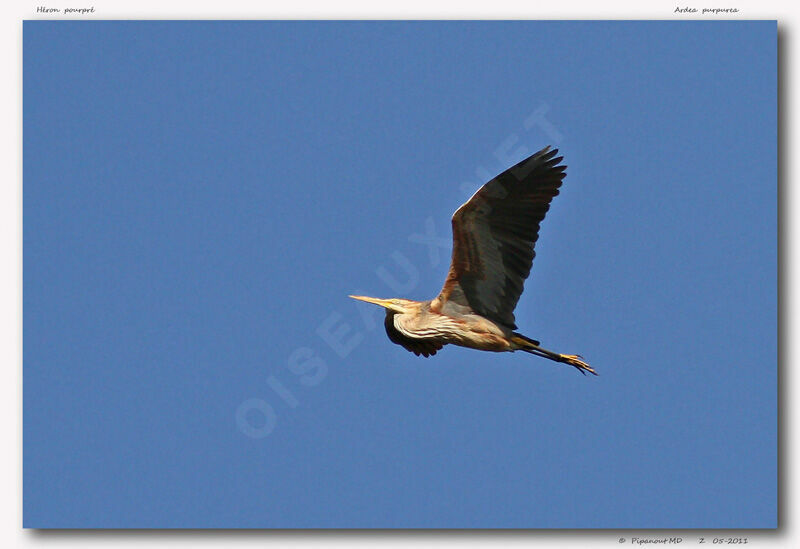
(544, 159)
(547, 153)
(543, 155)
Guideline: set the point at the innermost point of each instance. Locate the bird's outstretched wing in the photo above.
(494, 233)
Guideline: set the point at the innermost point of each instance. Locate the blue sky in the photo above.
(201, 197)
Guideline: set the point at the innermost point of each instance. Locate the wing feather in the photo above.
(494, 234)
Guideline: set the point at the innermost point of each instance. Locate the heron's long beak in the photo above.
(382, 302)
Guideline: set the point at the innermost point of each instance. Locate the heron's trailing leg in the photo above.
(573, 360)
(576, 361)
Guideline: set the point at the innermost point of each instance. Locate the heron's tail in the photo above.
(532, 346)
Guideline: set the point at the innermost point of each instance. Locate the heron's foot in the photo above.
(578, 362)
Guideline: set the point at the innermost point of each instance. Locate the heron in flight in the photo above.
(494, 234)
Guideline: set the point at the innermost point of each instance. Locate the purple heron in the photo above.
(494, 234)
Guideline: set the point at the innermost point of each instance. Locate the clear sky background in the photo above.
(200, 198)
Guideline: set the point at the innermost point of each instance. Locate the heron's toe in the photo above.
(578, 362)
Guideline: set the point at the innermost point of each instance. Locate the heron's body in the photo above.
(427, 327)
(494, 234)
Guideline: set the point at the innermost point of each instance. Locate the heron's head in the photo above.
(394, 304)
